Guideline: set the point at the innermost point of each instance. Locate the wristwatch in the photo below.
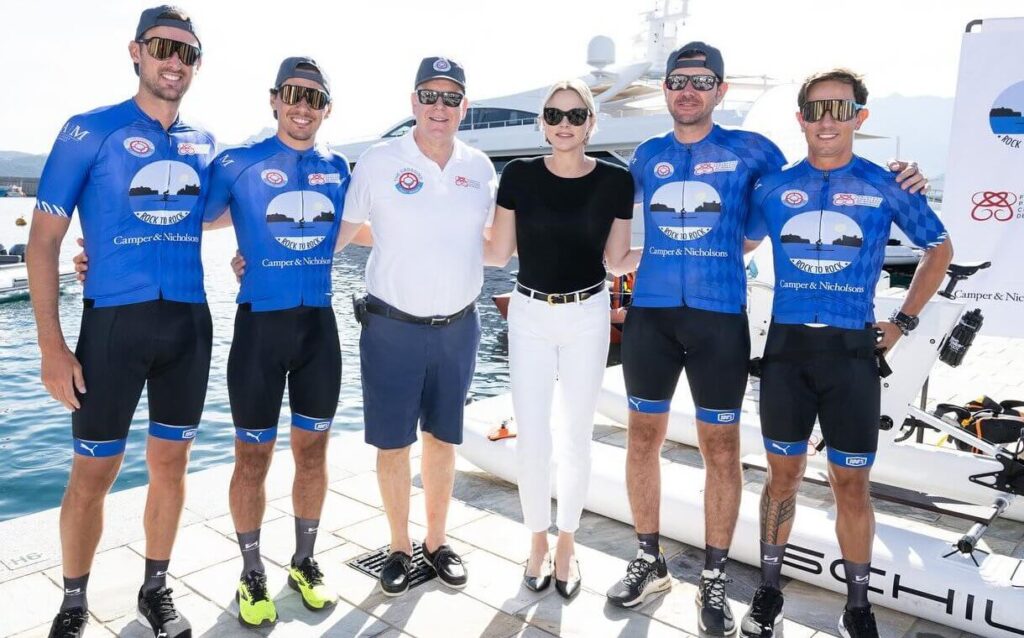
(904, 322)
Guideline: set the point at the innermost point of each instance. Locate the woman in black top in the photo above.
(568, 215)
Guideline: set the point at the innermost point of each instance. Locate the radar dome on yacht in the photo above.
(601, 51)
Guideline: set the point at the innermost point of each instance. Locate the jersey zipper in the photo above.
(687, 149)
(821, 217)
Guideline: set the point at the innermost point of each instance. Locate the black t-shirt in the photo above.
(562, 224)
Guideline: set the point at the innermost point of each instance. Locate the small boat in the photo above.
(14, 274)
(11, 190)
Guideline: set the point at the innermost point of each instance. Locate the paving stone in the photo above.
(489, 493)
(498, 535)
(590, 615)
(499, 583)
(338, 511)
(28, 602)
(196, 547)
(928, 629)
(819, 609)
(375, 533)
(206, 619)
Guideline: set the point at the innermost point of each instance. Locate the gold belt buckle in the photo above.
(551, 299)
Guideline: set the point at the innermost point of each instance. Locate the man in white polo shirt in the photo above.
(428, 198)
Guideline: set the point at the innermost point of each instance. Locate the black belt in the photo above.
(557, 298)
(395, 313)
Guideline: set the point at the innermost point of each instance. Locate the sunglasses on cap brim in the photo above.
(163, 48)
(841, 110)
(292, 94)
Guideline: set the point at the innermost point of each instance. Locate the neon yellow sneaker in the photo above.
(255, 609)
(308, 580)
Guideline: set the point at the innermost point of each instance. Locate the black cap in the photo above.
(290, 69)
(440, 68)
(152, 18)
(712, 59)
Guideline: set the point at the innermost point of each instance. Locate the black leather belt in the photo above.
(395, 313)
(557, 298)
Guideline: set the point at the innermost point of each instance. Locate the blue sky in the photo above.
(63, 57)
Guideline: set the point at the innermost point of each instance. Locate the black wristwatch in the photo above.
(904, 322)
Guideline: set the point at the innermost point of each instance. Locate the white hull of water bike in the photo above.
(914, 569)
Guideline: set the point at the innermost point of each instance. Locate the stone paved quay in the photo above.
(485, 526)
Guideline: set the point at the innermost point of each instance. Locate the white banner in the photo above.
(983, 202)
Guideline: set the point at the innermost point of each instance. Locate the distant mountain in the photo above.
(923, 125)
(18, 164)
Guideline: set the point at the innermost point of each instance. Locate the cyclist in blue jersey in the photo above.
(137, 174)
(689, 311)
(285, 197)
(829, 218)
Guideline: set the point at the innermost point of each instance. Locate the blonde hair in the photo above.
(582, 90)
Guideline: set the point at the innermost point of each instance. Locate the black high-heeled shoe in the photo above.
(568, 589)
(542, 580)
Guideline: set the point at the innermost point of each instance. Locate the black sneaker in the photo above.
(858, 623)
(395, 573)
(645, 575)
(715, 614)
(765, 612)
(448, 566)
(69, 623)
(156, 611)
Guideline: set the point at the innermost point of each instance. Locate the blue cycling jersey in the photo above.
(695, 199)
(286, 206)
(137, 188)
(829, 230)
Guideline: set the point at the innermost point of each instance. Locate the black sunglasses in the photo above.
(841, 110)
(448, 98)
(292, 94)
(163, 48)
(700, 82)
(576, 116)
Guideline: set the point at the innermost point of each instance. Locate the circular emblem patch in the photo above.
(794, 198)
(442, 65)
(138, 146)
(408, 181)
(663, 170)
(274, 177)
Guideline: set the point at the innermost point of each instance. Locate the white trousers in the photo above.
(567, 343)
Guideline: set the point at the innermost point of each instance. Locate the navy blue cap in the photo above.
(440, 68)
(290, 69)
(158, 17)
(712, 59)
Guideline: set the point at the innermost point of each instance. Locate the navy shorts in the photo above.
(161, 345)
(714, 347)
(416, 374)
(826, 374)
(298, 347)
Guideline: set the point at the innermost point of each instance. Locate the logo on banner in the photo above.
(794, 198)
(994, 205)
(1006, 117)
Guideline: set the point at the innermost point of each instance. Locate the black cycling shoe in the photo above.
(858, 623)
(157, 611)
(69, 623)
(395, 573)
(645, 575)
(715, 616)
(448, 565)
(765, 612)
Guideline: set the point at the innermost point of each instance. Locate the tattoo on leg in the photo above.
(774, 514)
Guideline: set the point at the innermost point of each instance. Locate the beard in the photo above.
(166, 93)
(688, 119)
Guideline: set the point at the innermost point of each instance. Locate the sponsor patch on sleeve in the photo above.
(188, 148)
(318, 179)
(715, 167)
